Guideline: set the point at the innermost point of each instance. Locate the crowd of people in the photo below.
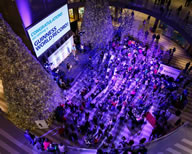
(165, 7)
(43, 144)
(121, 84)
(59, 76)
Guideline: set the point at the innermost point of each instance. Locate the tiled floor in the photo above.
(179, 142)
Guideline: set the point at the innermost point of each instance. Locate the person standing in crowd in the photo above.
(189, 81)
(148, 19)
(74, 51)
(168, 5)
(186, 20)
(147, 22)
(169, 13)
(186, 67)
(153, 37)
(146, 34)
(157, 38)
(161, 10)
(179, 9)
(158, 2)
(174, 49)
(189, 70)
(144, 23)
(46, 144)
(132, 14)
(155, 2)
(61, 148)
(82, 48)
(68, 67)
(162, 2)
(51, 148)
(29, 137)
(170, 55)
(39, 145)
(187, 3)
(90, 62)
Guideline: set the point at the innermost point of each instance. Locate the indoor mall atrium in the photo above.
(96, 76)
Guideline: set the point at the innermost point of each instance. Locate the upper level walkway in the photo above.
(178, 22)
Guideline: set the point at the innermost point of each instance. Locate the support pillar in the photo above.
(76, 13)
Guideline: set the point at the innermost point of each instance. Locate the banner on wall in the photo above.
(61, 53)
(168, 70)
(45, 33)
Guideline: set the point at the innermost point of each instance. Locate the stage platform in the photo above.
(77, 66)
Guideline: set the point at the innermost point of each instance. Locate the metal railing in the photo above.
(178, 22)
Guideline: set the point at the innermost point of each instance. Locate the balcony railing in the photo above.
(169, 16)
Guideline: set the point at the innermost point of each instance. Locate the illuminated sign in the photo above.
(168, 70)
(45, 33)
(61, 53)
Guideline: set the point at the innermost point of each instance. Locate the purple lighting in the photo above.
(25, 12)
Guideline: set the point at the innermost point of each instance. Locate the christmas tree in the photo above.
(29, 90)
(97, 23)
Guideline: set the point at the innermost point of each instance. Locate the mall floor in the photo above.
(13, 141)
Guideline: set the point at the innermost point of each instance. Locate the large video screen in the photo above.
(61, 53)
(45, 33)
